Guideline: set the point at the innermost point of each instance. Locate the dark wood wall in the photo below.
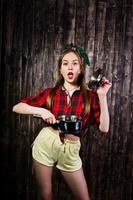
(32, 33)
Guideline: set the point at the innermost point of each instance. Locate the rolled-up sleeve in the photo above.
(38, 100)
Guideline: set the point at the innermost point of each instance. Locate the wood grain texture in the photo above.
(32, 34)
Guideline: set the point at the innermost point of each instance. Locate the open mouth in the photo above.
(70, 75)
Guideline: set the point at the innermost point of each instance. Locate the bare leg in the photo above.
(44, 180)
(77, 183)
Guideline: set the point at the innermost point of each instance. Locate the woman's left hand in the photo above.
(104, 87)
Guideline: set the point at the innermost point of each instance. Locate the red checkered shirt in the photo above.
(61, 107)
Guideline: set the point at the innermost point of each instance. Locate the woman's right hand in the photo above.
(47, 116)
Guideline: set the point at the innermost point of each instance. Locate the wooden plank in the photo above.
(32, 36)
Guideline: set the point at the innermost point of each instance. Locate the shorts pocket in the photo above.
(74, 149)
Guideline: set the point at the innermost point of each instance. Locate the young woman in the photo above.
(69, 97)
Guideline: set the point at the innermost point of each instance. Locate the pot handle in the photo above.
(39, 116)
(36, 115)
(57, 121)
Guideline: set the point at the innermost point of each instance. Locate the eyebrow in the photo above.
(73, 60)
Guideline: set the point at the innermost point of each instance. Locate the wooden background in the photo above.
(32, 33)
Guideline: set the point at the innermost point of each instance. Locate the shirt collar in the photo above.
(63, 88)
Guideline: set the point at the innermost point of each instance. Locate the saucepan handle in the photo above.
(39, 116)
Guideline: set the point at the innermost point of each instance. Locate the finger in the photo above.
(105, 82)
(54, 120)
(51, 120)
(46, 120)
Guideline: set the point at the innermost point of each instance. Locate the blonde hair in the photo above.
(80, 82)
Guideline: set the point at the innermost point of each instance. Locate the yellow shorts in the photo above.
(50, 151)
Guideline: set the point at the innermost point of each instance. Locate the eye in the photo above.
(64, 63)
(75, 63)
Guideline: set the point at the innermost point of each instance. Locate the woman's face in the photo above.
(70, 68)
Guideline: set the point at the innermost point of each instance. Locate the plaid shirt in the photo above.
(75, 107)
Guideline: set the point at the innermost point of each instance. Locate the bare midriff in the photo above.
(67, 136)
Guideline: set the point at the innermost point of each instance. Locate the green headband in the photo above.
(80, 51)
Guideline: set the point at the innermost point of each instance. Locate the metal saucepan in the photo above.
(70, 124)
